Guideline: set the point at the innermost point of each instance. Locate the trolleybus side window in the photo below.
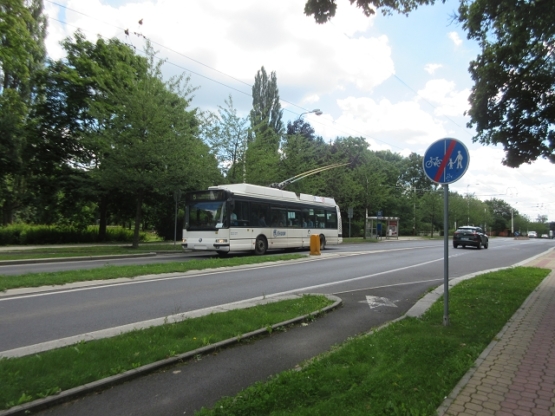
(320, 216)
(331, 219)
(241, 211)
(308, 218)
(294, 218)
(259, 214)
(278, 217)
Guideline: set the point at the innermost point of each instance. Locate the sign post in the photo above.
(445, 162)
(350, 215)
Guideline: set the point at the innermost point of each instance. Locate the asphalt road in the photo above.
(399, 272)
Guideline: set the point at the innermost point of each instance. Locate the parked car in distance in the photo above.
(470, 236)
(532, 234)
(545, 236)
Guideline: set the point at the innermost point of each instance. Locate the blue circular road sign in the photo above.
(446, 161)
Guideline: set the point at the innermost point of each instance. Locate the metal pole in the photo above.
(366, 224)
(175, 224)
(446, 255)
(176, 197)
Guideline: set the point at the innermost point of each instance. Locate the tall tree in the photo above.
(266, 130)
(68, 133)
(266, 110)
(22, 53)
(512, 101)
(227, 134)
(151, 145)
(301, 151)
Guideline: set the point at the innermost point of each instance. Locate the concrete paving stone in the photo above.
(526, 403)
(484, 388)
(473, 406)
(495, 397)
(545, 395)
(541, 412)
(504, 381)
(508, 405)
(517, 387)
(531, 387)
(489, 405)
(478, 397)
(485, 412)
(489, 382)
(520, 412)
(455, 409)
(530, 395)
(462, 400)
(500, 388)
(543, 403)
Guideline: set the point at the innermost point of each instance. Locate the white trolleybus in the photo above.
(243, 217)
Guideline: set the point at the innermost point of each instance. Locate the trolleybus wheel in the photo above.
(261, 245)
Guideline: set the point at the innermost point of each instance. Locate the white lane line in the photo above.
(354, 279)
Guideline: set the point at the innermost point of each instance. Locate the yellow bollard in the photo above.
(314, 245)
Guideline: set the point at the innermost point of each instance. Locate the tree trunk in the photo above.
(137, 221)
(7, 209)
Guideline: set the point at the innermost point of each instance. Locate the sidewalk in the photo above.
(515, 375)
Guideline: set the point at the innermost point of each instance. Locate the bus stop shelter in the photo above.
(383, 226)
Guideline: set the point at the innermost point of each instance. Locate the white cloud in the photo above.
(454, 36)
(445, 98)
(432, 68)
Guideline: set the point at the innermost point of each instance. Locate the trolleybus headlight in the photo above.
(221, 240)
(184, 240)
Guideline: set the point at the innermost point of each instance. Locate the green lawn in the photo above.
(22, 253)
(113, 272)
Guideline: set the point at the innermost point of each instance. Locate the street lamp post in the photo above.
(176, 197)
(315, 111)
(512, 223)
(467, 206)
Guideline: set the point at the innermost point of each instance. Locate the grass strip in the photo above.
(113, 272)
(17, 253)
(28, 378)
(406, 368)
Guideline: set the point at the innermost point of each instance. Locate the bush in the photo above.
(22, 234)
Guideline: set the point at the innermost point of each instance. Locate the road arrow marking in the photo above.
(377, 301)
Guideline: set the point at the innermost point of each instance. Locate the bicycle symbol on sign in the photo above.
(434, 161)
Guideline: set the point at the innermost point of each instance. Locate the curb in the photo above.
(102, 384)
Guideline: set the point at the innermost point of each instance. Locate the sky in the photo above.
(401, 82)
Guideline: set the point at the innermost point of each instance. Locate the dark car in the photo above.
(470, 236)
